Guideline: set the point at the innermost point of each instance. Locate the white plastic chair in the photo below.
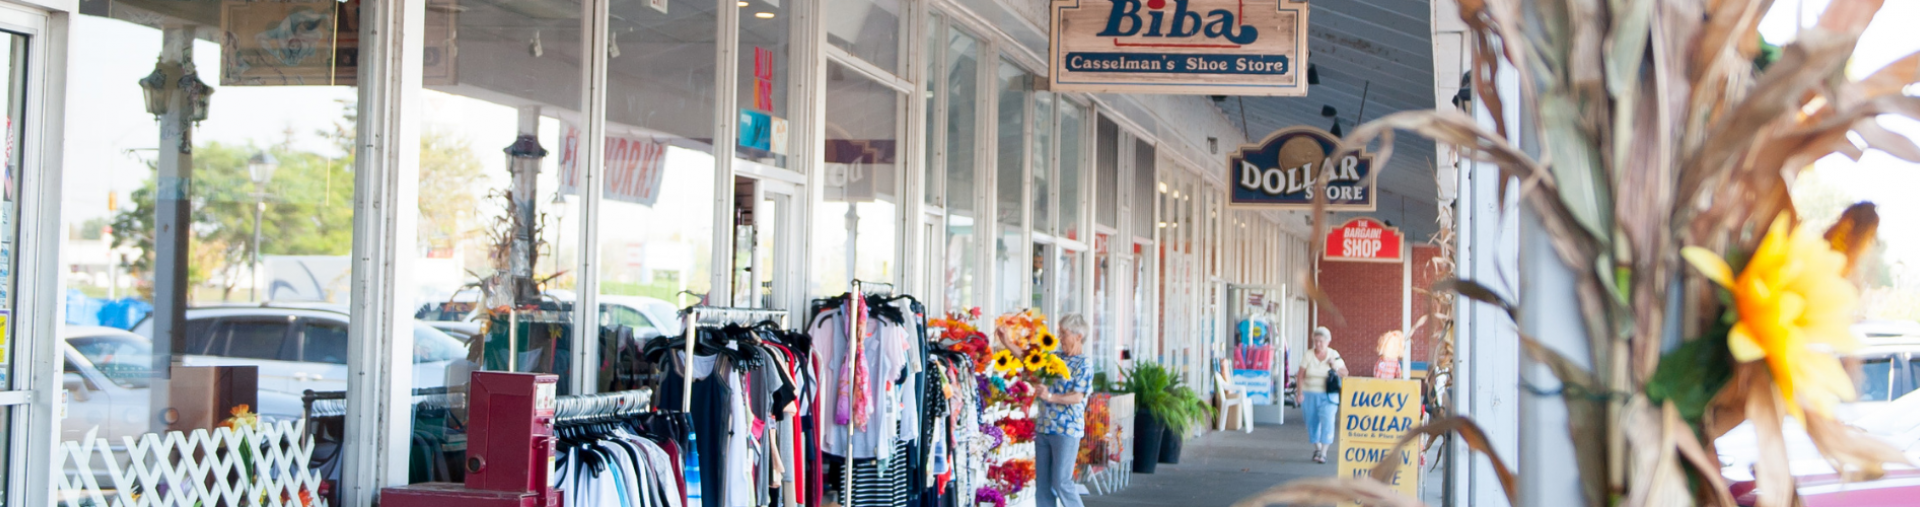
(1234, 405)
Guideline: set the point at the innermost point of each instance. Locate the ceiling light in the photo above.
(763, 15)
(743, 4)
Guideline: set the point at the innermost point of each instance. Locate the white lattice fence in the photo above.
(258, 466)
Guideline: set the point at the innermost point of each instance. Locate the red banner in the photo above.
(1363, 239)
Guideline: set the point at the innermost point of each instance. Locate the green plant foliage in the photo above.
(1161, 393)
(1692, 374)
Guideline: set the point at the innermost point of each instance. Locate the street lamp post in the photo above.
(260, 169)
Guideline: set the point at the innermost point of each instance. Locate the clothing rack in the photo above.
(701, 314)
(586, 408)
(860, 290)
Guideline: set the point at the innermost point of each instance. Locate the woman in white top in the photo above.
(1312, 397)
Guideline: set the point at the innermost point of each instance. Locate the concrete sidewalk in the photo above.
(1221, 468)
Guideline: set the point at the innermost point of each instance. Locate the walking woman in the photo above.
(1063, 420)
(1312, 397)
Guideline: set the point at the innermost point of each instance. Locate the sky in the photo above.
(1887, 181)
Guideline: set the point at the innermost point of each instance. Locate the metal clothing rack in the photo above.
(697, 315)
(601, 406)
(860, 289)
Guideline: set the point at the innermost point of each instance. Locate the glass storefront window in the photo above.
(929, 94)
(962, 250)
(1073, 202)
(1011, 266)
(1106, 164)
(856, 227)
(867, 29)
(1043, 146)
(766, 55)
(214, 253)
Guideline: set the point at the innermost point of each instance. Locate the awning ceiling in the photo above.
(1381, 49)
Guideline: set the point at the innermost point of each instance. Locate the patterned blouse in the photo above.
(1068, 420)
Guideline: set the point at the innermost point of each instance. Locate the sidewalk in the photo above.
(1221, 468)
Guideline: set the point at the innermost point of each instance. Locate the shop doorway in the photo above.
(765, 223)
(21, 339)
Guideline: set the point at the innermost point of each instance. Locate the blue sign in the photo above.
(1284, 170)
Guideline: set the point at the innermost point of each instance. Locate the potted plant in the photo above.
(1161, 405)
(1186, 409)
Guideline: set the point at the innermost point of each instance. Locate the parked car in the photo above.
(108, 384)
(297, 347)
(1888, 408)
(456, 314)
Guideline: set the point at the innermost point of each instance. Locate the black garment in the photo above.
(710, 412)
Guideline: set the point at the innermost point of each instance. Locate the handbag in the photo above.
(1333, 382)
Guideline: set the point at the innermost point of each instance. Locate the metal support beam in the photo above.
(593, 91)
(171, 224)
(1487, 349)
(385, 224)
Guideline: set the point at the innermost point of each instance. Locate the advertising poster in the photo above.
(1374, 414)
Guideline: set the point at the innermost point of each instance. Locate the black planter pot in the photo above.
(1170, 447)
(1147, 436)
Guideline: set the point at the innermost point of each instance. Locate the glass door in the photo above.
(774, 225)
(11, 346)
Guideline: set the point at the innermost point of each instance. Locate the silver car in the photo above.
(297, 347)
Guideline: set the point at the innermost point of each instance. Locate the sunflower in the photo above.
(1058, 368)
(1795, 307)
(1036, 360)
(1003, 362)
(1047, 340)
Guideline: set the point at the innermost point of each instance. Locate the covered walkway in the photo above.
(1221, 468)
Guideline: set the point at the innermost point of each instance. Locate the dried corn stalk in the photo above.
(1654, 132)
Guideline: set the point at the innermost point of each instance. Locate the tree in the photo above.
(449, 204)
(308, 211)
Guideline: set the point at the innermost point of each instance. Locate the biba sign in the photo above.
(1237, 47)
(1363, 239)
(1281, 172)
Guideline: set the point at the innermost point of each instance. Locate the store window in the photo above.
(214, 185)
(1011, 265)
(1073, 187)
(856, 222)
(867, 29)
(1042, 168)
(766, 53)
(962, 247)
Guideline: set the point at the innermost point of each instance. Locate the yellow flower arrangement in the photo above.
(1036, 361)
(1004, 362)
(1047, 341)
(1058, 367)
(1794, 306)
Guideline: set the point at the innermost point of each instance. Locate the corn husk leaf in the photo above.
(1855, 454)
(1854, 233)
(1470, 433)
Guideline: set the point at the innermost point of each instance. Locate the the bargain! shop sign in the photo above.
(1282, 171)
(1206, 47)
(1363, 239)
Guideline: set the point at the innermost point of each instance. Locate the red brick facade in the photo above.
(1368, 295)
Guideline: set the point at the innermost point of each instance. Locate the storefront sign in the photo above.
(1374, 414)
(316, 42)
(634, 168)
(1233, 47)
(1363, 239)
(1258, 384)
(1280, 173)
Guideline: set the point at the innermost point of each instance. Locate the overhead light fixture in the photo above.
(743, 4)
(763, 15)
(1313, 74)
(1336, 131)
(1328, 111)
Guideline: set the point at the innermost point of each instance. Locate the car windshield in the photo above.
(1884, 378)
(431, 345)
(127, 361)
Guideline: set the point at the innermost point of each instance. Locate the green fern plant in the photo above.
(1166, 398)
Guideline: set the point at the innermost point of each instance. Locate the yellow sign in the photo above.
(1374, 414)
(3, 344)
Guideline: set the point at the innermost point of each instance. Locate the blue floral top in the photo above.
(1068, 420)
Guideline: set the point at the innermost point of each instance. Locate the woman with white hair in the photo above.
(1063, 420)
(1312, 397)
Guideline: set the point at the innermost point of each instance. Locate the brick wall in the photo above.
(1423, 279)
(1367, 295)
